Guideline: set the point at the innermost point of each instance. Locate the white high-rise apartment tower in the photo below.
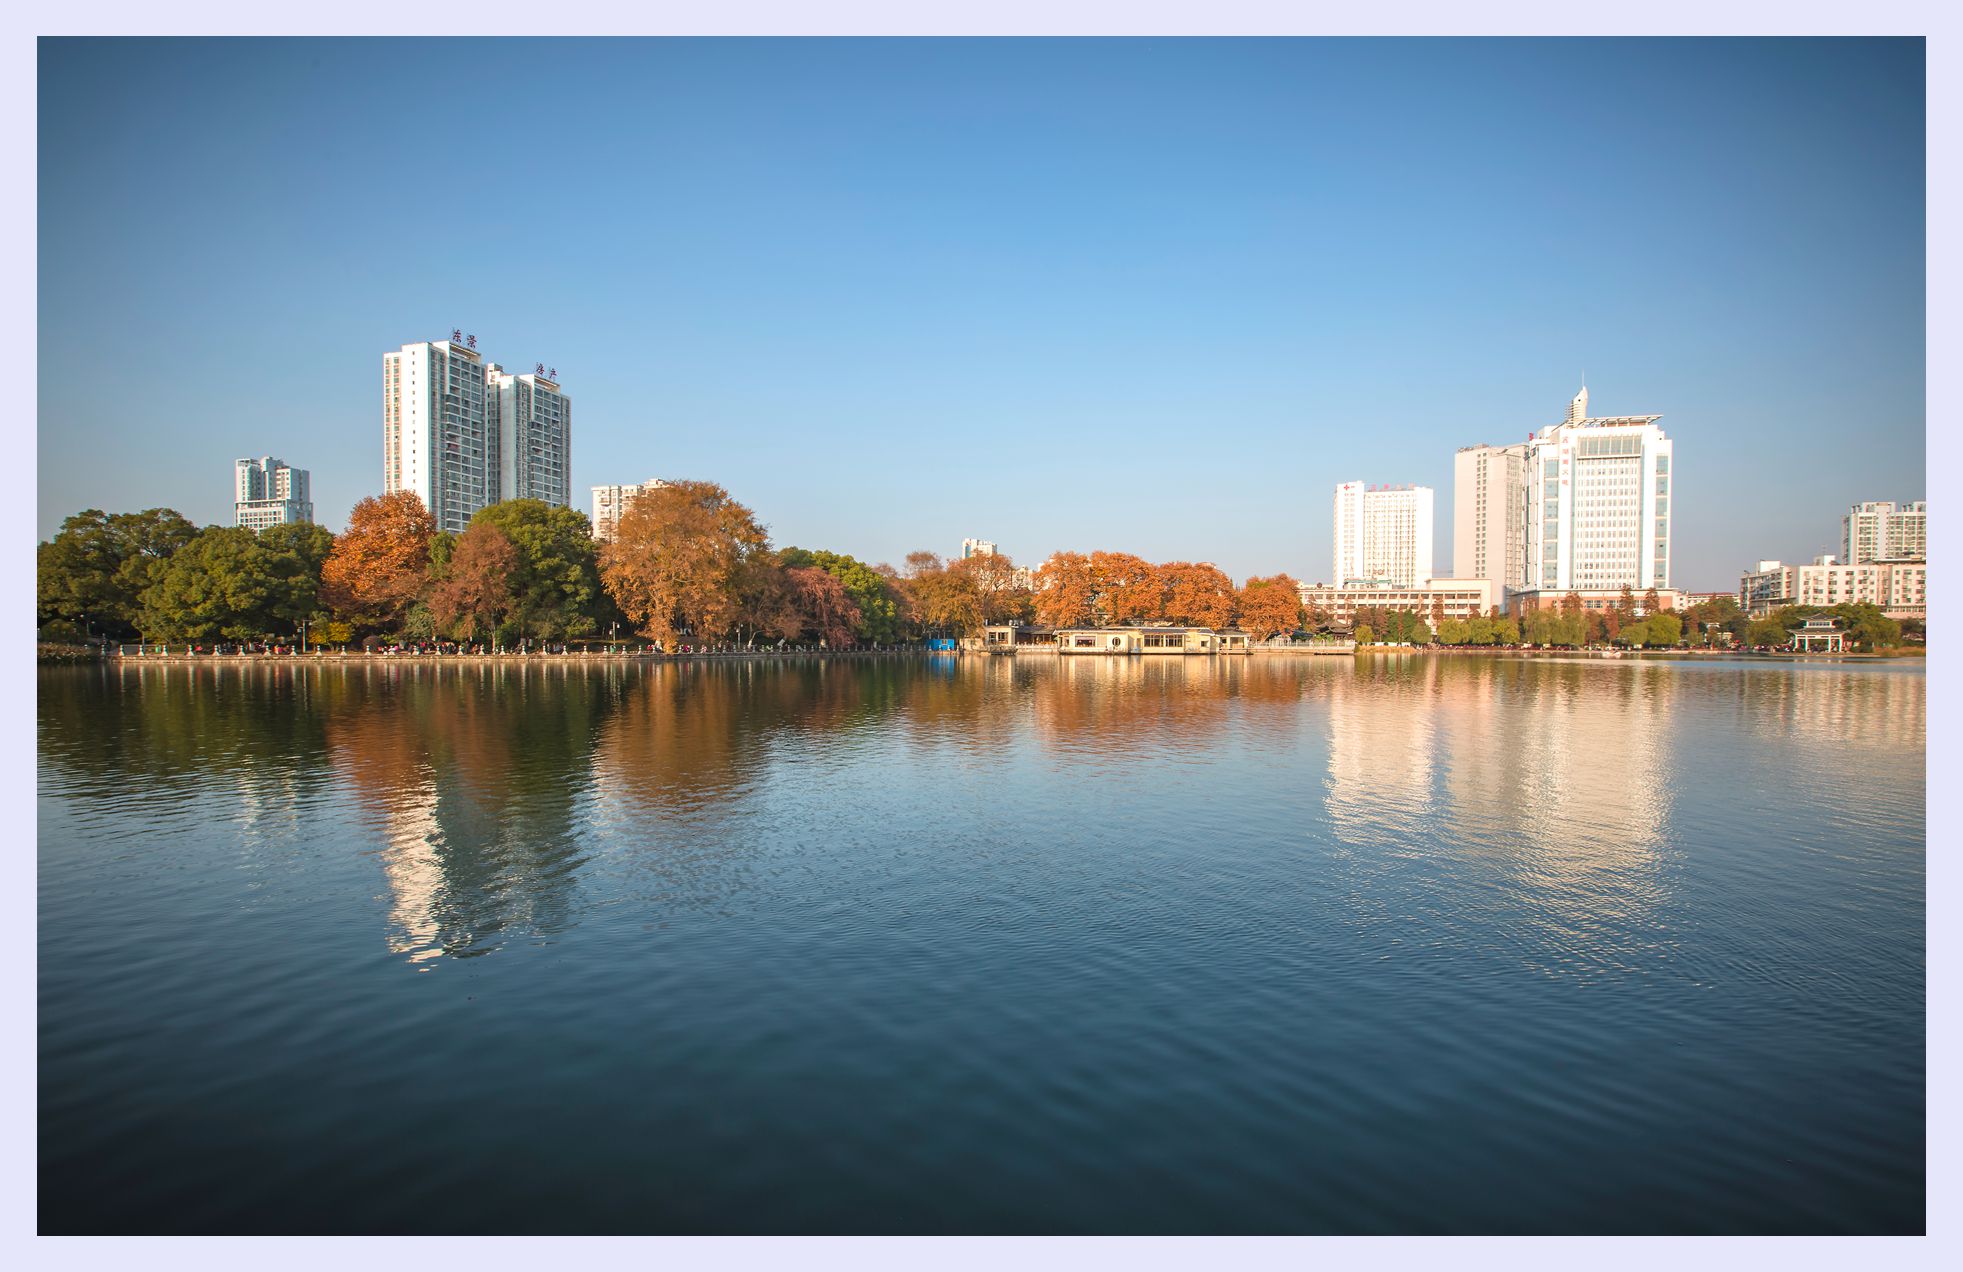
(977, 547)
(1489, 516)
(534, 427)
(267, 492)
(437, 436)
(1885, 532)
(1598, 504)
(1383, 533)
(463, 434)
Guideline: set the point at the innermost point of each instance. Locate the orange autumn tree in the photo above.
(1129, 589)
(1067, 595)
(945, 598)
(993, 576)
(473, 595)
(822, 605)
(379, 564)
(1197, 595)
(1271, 606)
(681, 560)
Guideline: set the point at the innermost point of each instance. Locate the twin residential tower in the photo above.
(463, 433)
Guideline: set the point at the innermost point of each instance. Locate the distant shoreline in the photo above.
(74, 657)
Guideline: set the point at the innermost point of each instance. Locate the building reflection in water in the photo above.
(1541, 793)
(1541, 786)
(1495, 794)
(1381, 749)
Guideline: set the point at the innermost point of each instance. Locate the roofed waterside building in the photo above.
(1150, 640)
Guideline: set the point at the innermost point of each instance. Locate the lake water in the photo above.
(1194, 945)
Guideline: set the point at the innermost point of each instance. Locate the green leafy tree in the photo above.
(297, 550)
(1479, 631)
(1506, 631)
(1633, 634)
(1868, 627)
(1364, 636)
(442, 545)
(1665, 630)
(307, 543)
(1766, 631)
(1455, 631)
(226, 584)
(94, 572)
(555, 586)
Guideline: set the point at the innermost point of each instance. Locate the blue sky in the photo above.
(1148, 295)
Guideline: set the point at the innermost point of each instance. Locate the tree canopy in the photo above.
(229, 583)
(97, 567)
(679, 558)
(871, 592)
(474, 594)
(1270, 606)
(380, 564)
(554, 579)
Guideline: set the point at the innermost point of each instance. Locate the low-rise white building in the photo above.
(1458, 598)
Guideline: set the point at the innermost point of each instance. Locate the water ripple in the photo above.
(1187, 945)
